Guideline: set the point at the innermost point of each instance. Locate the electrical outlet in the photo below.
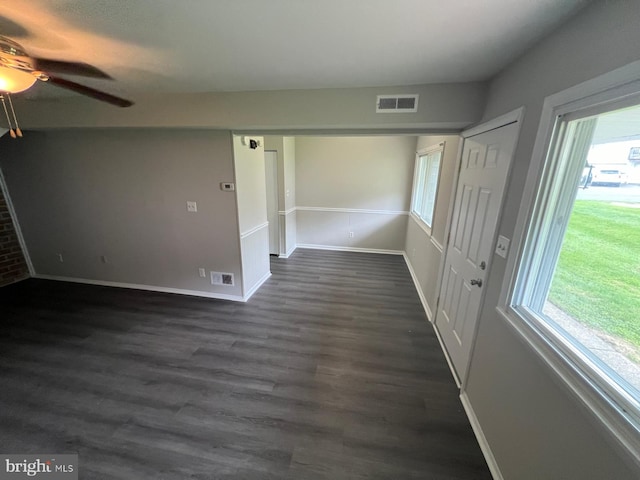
(202, 273)
(350, 234)
(192, 207)
(60, 258)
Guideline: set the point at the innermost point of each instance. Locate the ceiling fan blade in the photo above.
(69, 68)
(90, 92)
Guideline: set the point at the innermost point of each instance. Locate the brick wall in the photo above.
(13, 266)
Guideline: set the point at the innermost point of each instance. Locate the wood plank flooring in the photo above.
(330, 371)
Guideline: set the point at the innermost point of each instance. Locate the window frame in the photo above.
(425, 152)
(614, 410)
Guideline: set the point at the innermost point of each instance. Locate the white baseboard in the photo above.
(446, 356)
(289, 253)
(423, 299)
(255, 288)
(431, 318)
(482, 440)
(150, 288)
(350, 249)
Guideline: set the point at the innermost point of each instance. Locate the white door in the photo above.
(271, 174)
(483, 174)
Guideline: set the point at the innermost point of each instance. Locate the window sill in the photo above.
(621, 429)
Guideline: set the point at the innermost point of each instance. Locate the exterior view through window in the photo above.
(580, 273)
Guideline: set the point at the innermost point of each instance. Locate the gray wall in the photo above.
(535, 428)
(424, 251)
(354, 184)
(123, 194)
(441, 106)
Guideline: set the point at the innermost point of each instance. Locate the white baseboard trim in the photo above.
(482, 440)
(255, 288)
(150, 288)
(289, 253)
(350, 249)
(432, 319)
(414, 277)
(447, 357)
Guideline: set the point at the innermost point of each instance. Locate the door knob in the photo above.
(477, 282)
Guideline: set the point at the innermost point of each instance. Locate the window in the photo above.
(578, 280)
(425, 184)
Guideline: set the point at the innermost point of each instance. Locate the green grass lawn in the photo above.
(597, 279)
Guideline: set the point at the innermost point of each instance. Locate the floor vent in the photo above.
(219, 278)
(397, 103)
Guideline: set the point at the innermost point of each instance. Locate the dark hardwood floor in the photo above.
(330, 371)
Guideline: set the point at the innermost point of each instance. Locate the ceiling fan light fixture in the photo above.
(15, 81)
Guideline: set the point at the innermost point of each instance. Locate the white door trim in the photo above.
(509, 117)
(272, 189)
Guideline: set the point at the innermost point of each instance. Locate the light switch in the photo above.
(502, 248)
(192, 207)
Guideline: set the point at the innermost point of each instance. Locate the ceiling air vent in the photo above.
(397, 103)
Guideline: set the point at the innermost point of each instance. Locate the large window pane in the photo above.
(581, 267)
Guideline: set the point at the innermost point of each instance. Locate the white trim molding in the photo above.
(447, 357)
(289, 252)
(352, 210)
(437, 244)
(254, 230)
(255, 288)
(482, 440)
(149, 288)
(506, 119)
(416, 283)
(351, 249)
(431, 318)
(284, 213)
(420, 223)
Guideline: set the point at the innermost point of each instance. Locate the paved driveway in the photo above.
(624, 193)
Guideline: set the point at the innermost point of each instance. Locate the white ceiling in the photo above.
(161, 46)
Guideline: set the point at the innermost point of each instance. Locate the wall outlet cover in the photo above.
(192, 206)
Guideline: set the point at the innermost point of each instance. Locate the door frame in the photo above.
(514, 116)
(275, 185)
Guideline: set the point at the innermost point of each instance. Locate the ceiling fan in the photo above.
(19, 71)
